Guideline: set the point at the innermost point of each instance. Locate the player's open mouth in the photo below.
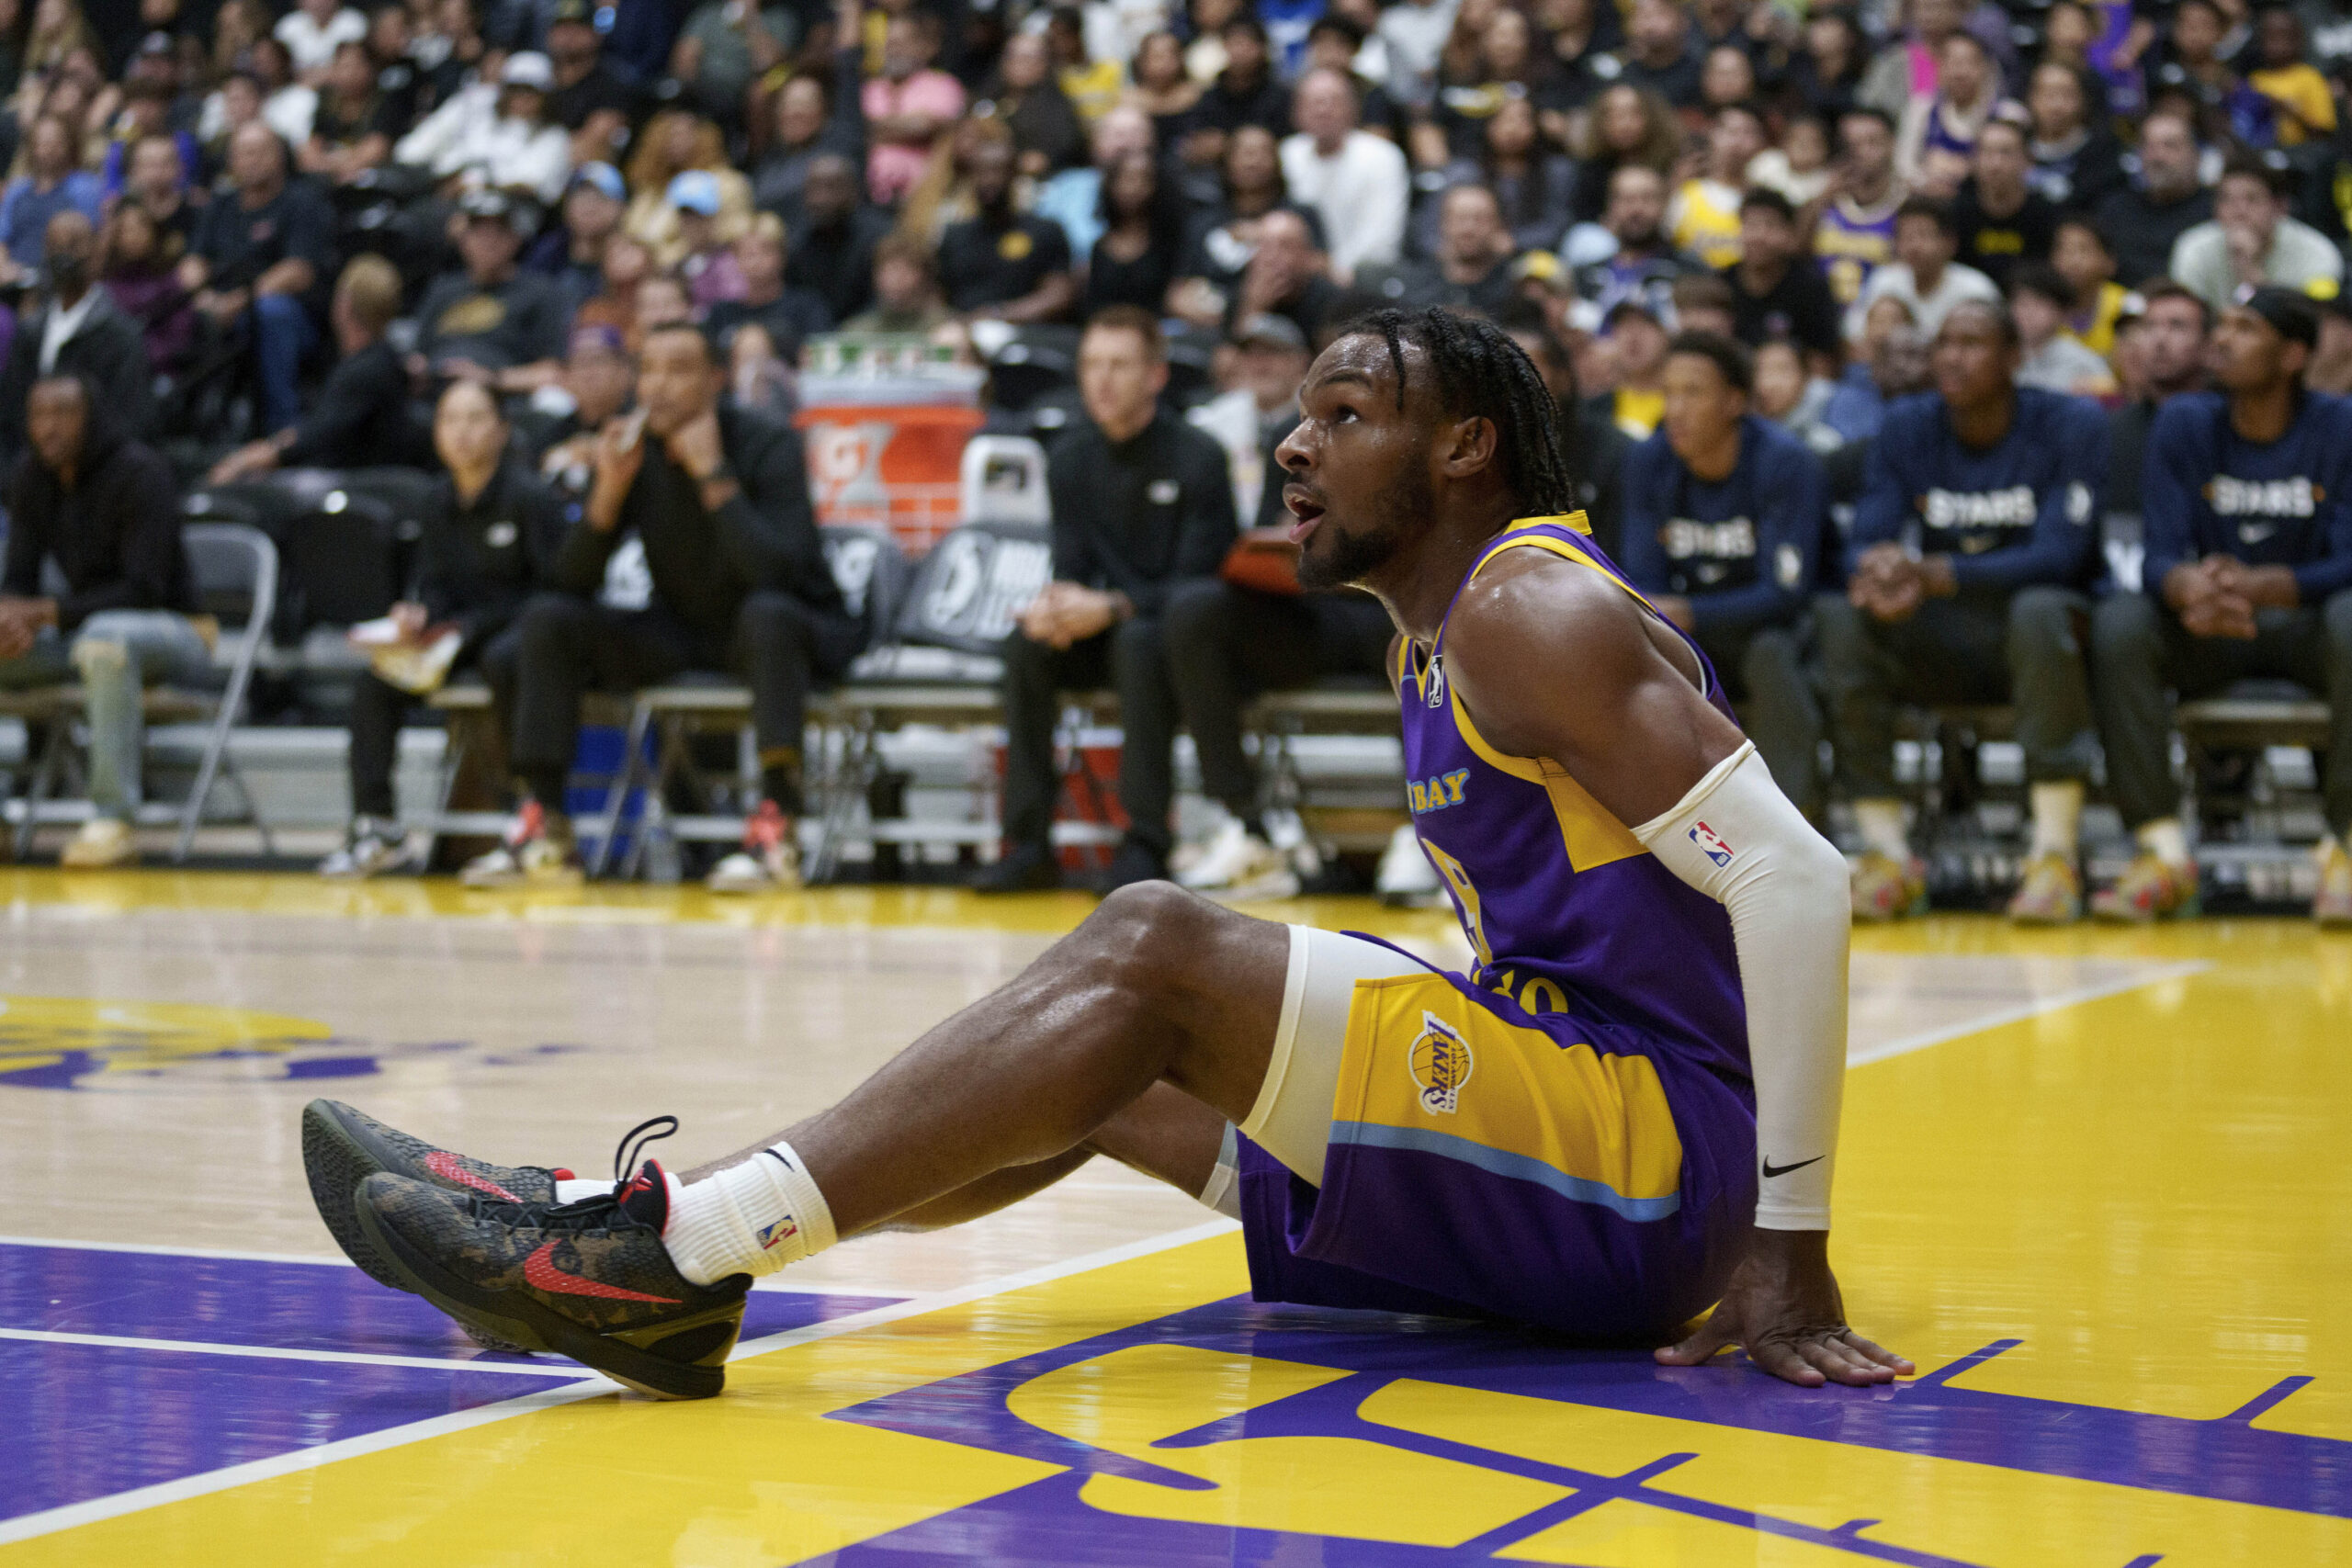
(1306, 510)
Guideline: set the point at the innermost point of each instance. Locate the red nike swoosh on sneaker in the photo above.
(540, 1272)
(444, 1164)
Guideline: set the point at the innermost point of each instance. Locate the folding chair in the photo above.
(235, 570)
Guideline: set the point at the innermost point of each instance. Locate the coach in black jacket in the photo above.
(718, 499)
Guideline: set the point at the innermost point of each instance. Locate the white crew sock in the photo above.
(752, 1218)
(1881, 824)
(2165, 838)
(2057, 819)
(572, 1189)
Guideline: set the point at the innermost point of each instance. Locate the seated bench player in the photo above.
(1625, 1111)
(1724, 519)
(1975, 536)
(2247, 494)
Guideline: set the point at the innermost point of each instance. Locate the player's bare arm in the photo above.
(1553, 661)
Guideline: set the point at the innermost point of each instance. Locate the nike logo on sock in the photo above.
(449, 1168)
(540, 1273)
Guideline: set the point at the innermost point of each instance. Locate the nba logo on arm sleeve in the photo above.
(1711, 844)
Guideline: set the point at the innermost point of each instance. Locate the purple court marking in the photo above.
(289, 1305)
(79, 1422)
(86, 1421)
(2224, 1458)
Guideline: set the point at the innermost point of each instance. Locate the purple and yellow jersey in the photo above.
(1851, 242)
(1566, 1135)
(1565, 908)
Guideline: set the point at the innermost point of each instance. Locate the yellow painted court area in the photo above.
(2095, 1183)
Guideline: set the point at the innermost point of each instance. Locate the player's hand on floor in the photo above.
(1782, 1307)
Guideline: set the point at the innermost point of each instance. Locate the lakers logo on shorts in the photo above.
(1440, 1064)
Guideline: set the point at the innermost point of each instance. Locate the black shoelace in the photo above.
(603, 1212)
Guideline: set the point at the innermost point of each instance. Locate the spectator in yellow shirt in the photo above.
(2080, 254)
(2306, 108)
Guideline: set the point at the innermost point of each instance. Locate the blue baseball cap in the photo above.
(697, 190)
(605, 178)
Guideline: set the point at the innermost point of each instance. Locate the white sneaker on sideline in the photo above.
(373, 845)
(103, 842)
(1405, 877)
(1237, 863)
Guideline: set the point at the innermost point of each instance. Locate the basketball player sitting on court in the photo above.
(1626, 1110)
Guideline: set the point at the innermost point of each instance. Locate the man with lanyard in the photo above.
(1974, 541)
(1724, 514)
(2248, 501)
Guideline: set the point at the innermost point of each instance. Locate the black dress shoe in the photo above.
(1134, 863)
(1026, 868)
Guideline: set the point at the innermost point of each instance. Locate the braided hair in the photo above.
(1481, 371)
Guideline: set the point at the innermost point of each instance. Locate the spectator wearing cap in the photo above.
(499, 133)
(789, 316)
(907, 106)
(313, 31)
(1725, 515)
(2248, 573)
(1471, 270)
(258, 264)
(1268, 361)
(1357, 183)
(1002, 263)
(2143, 220)
(593, 103)
(360, 417)
(1645, 263)
(77, 330)
(1923, 275)
(703, 261)
(1636, 342)
(1775, 293)
(672, 143)
(490, 321)
(599, 381)
(2250, 241)
(2001, 220)
(571, 252)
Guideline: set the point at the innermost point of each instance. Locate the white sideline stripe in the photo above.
(2024, 1010)
(279, 1352)
(71, 1515)
(234, 1255)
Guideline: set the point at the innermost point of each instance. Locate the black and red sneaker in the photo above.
(342, 1147)
(591, 1281)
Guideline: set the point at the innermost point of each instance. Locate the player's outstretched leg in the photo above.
(646, 1284)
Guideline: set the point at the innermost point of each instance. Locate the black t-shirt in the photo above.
(1142, 282)
(1994, 246)
(1228, 105)
(377, 116)
(518, 321)
(983, 263)
(837, 263)
(1139, 515)
(360, 417)
(240, 242)
(1799, 308)
(600, 89)
(2141, 233)
(1678, 80)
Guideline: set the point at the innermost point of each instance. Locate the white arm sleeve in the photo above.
(1737, 839)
